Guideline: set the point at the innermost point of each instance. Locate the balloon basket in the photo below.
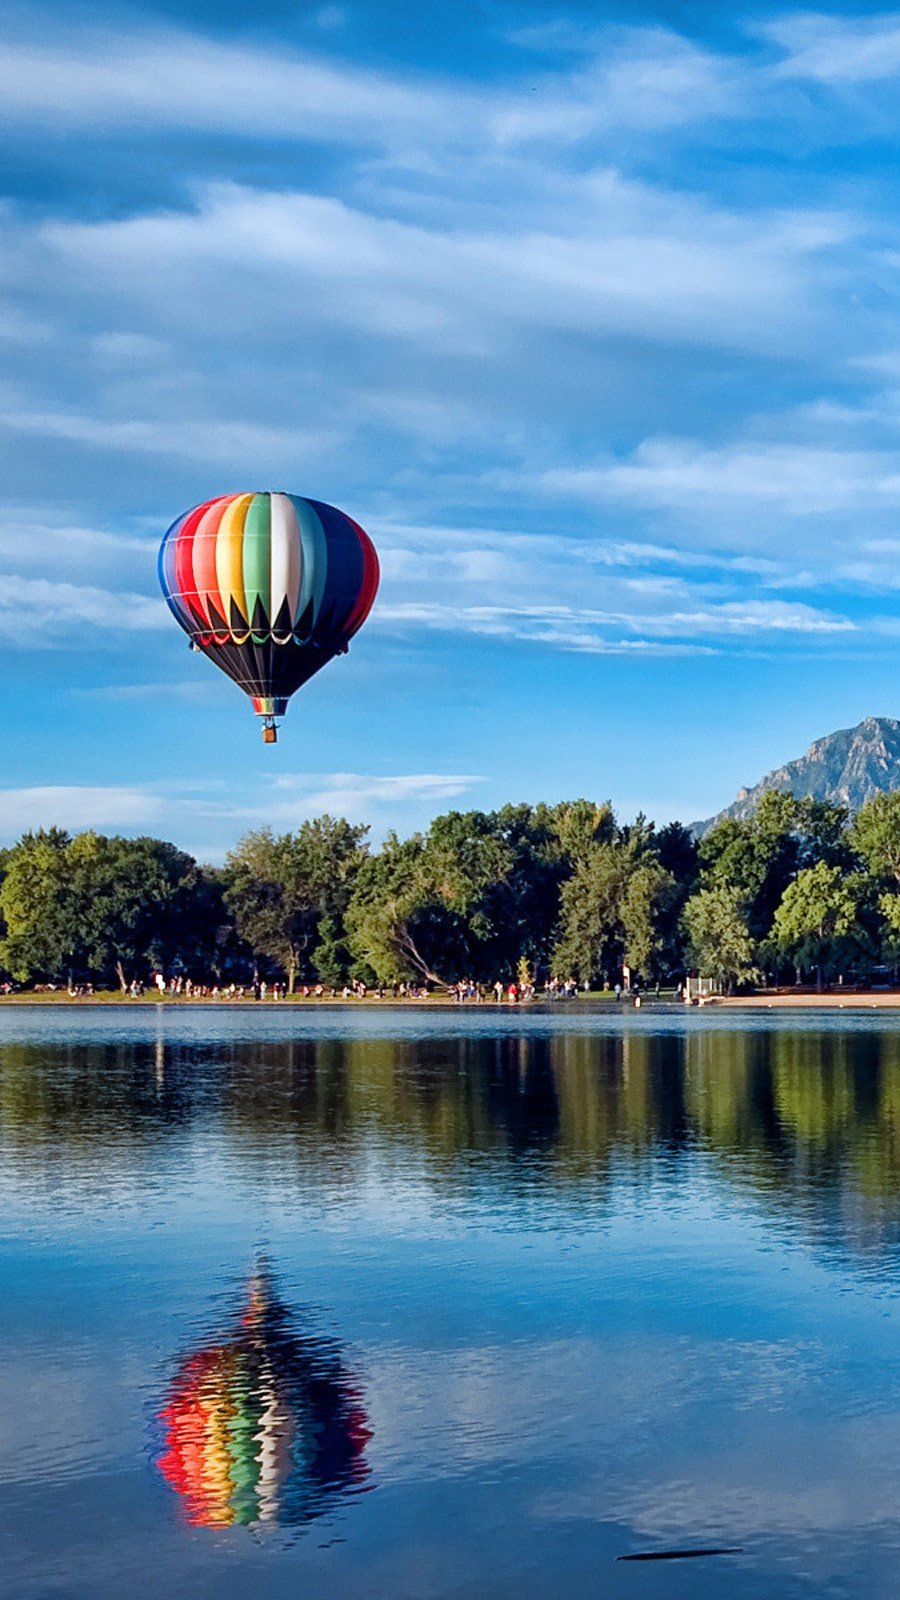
(270, 732)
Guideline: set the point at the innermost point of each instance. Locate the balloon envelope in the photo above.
(270, 586)
(264, 1426)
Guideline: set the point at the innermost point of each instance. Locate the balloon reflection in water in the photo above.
(265, 1427)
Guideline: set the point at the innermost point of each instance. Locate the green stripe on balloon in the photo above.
(257, 560)
(243, 1444)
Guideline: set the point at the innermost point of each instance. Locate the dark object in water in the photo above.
(684, 1555)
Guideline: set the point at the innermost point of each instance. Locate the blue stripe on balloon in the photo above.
(167, 569)
(346, 564)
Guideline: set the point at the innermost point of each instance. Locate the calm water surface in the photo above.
(446, 1306)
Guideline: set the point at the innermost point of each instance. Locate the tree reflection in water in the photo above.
(264, 1426)
(803, 1118)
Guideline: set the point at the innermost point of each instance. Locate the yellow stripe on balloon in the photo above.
(230, 556)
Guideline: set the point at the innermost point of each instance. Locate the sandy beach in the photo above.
(786, 1000)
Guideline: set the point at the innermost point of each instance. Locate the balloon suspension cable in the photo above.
(270, 730)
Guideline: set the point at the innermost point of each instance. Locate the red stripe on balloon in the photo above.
(369, 588)
(203, 550)
(185, 582)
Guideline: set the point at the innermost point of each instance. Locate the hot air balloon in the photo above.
(263, 1426)
(270, 587)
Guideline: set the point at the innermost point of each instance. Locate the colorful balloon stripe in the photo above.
(256, 561)
(263, 1426)
(270, 586)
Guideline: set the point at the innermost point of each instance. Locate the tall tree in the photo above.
(649, 894)
(289, 893)
(137, 900)
(42, 939)
(817, 919)
(875, 835)
(719, 943)
(591, 942)
(582, 824)
(398, 926)
(94, 905)
(475, 895)
(756, 856)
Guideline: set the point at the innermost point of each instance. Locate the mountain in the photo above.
(846, 767)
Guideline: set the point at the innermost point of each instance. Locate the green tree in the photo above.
(649, 894)
(289, 894)
(760, 856)
(398, 927)
(817, 919)
(42, 938)
(94, 905)
(591, 942)
(823, 834)
(676, 851)
(756, 856)
(136, 900)
(875, 835)
(719, 943)
(470, 898)
(580, 825)
(620, 903)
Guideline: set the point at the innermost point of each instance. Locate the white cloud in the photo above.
(568, 628)
(29, 536)
(199, 689)
(357, 795)
(836, 49)
(37, 613)
(758, 616)
(75, 806)
(222, 812)
(183, 80)
(214, 441)
(626, 260)
(640, 78)
(805, 480)
(174, 79)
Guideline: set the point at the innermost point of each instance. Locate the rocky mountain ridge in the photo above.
(846, 767)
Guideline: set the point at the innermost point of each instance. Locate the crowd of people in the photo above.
(468, 991)
(180, 987)
(513, 993)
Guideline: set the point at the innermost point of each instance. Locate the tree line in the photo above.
(800, 890)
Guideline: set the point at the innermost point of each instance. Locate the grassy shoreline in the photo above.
(772, 1000)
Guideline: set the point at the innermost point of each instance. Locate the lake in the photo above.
(446, 1305)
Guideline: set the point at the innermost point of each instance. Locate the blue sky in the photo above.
(589, 315)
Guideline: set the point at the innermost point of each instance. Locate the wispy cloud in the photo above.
(216, 441)
(803, 479)
(76, 806)
(835, 49)
(38, 613)
(176, 79)
(567, 628)
(357, 795)
(214, 815)
(627, 259)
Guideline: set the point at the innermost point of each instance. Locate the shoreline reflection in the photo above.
(804, 1123)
